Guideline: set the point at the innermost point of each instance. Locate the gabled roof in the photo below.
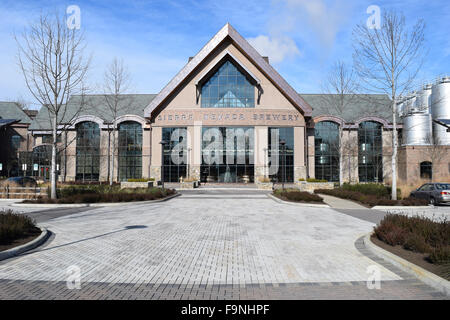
(250, 52)
(11, 110)
(7, 122)
(94, 105)
(356, 106)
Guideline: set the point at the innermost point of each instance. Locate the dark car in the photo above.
(20, 181)
(434, 193)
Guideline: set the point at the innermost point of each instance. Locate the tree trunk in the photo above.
(53, 165)
(394, 149)
(113, 153)
(341, 156)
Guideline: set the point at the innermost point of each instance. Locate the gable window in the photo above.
(228, 88)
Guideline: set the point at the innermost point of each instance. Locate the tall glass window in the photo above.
(130, 150)
(175, 154)
(281, 159)
(228, 88)
(370, 152)
(227, 154)
(326, 140)
(88, 151)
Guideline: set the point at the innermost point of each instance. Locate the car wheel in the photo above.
(432, 201)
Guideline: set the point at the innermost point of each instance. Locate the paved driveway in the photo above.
(210, 240)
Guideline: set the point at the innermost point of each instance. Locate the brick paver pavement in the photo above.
(207, 245)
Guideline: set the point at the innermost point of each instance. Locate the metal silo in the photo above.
(410, 104)
(400, 107)
(440, 109)
(417, 129)
(423, 100)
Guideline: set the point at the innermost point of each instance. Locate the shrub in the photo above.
(105, 194)
(417, 234)
(264, 179)
(298, 196)
(365, 197)
(141, 180)
(440, 255)
(315, 180)
(15, 226)
(415, 242)
(391, 233)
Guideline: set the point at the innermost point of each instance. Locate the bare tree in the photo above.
(50, 56)
(340, 91)
(388, 60)
(116, 83)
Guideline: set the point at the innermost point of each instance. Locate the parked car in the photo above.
(20, 181)
(435, 193)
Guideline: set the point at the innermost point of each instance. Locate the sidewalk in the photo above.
(338, 203)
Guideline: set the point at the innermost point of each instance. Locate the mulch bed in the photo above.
(414, 257)
(18, 242)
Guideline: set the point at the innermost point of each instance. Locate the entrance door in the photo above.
(44, 172)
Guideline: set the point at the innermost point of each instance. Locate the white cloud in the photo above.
(312, 19)
(276, 48)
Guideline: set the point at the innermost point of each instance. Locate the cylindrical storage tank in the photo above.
(423, 100)
(417, 130)
(400, 106)
(409, 104)
(440, 109)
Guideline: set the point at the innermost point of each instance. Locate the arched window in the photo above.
(228, 88)
(370, 152)
(326, 140)
(130, 150)
(88, 151)
(426, 170)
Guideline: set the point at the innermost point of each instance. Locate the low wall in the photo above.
(134, 185)
(311, 186)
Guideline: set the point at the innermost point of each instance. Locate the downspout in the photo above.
(109, 155)
(150, 151)
(306, 160)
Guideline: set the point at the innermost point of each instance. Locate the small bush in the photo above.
(416, 243)
(141, 180)
(315, 180)
(15, 226)
(298, 196)
(440, 255)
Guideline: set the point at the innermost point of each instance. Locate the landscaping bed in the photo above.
(294, 195)
(419, 240)
(371, 195)
(16, 229)
(103, 193)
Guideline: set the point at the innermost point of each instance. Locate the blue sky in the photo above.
(303, 38)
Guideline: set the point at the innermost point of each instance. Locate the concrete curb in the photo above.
(312, 205)
(423, 275)
(399, 207)
(83, 205)
(25, 247)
